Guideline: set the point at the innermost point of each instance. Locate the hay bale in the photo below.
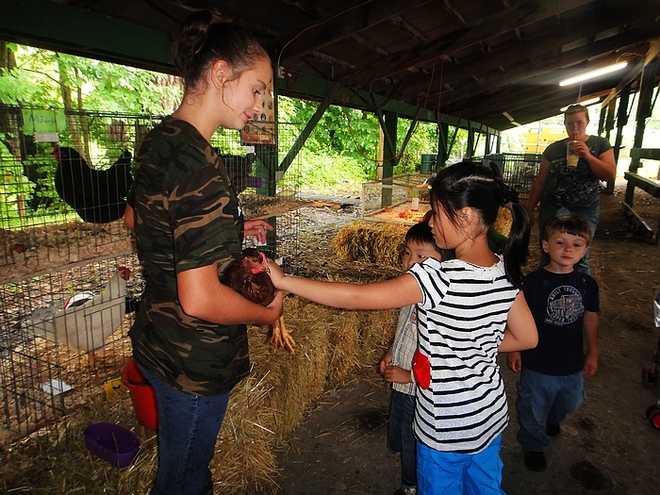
(383, 243)
(268, 405)
(374, 242)
(263, 410)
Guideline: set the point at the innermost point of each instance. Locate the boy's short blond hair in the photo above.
(573, 224)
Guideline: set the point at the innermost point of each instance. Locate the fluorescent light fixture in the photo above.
(584, 103)
(508, 116)
(593, 74)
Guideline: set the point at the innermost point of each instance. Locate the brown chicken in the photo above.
(249, 277)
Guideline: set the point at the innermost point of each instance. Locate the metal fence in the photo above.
(518, 170)
(52, 359)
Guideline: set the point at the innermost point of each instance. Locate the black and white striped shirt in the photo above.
(461, 324)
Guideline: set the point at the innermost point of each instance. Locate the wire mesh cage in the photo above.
(400, 199)
(265, 192)
(518, 170)
(66, 301)
(63, 335)
(63, 184)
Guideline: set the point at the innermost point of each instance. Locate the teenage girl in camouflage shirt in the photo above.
(189, 335)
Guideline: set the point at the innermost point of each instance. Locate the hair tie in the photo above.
(508, 195)
(213, 21)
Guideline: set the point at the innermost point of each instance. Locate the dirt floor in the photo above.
(606, 447)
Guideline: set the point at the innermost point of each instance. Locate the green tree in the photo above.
(101, 86)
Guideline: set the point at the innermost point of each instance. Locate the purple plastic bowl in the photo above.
(112, 442)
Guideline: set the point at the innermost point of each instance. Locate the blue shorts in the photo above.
(447, 473)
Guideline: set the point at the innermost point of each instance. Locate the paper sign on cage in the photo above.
(262, 130)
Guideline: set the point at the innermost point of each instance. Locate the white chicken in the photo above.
(86, 326)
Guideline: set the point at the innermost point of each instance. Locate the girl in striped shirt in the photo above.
(469, 309)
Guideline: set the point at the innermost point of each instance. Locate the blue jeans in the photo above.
(544, 399)
(546, 212)
(188, 427)
(447, 473)
(400, 436)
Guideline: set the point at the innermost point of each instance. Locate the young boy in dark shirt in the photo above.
(565, 306)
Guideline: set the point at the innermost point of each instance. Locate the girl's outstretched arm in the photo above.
(395, 293)
(520, 333)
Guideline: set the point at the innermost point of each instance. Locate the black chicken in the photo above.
(98, 196)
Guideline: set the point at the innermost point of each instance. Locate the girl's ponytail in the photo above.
(481, 187)
(516, 248)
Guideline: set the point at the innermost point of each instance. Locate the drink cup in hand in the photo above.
(571, 157)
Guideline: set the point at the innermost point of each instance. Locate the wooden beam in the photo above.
(304, 134)
(534, 47)
(654, 50)
(454, 13)
(305, 87)
(87, 34)
(399, 21)
(517, 102)
(334, 27)
(531, 94)
(645, 153)
(553, 66)
(504, 21)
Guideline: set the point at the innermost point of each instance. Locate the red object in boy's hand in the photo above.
(421, 367)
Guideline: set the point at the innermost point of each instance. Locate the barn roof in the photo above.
(497, 62)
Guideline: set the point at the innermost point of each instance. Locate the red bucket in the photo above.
(143, 395)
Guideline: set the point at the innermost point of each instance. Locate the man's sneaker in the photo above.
(406, 491)
(535, 461)
(552, 429)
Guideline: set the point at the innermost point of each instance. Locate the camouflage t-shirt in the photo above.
(575, 187)
(186, 216)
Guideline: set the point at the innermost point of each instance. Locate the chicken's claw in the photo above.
(282, 336)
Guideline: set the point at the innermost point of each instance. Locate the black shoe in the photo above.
(535, 461)
(552, 429)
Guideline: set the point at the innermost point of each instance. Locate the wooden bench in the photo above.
(647, 185)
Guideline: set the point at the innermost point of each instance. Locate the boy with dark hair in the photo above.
(565, 306)
(397, 362)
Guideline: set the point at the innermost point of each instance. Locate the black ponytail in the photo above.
(516, 248)
(474, 185)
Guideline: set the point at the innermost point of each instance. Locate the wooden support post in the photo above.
(443, 143)
(647, 83)
(470, 143)
(389, 122)
(621, 121)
